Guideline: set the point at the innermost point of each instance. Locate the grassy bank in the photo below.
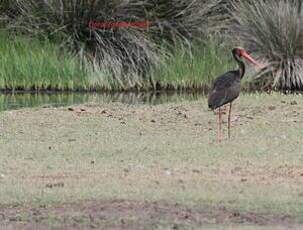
(29, 64)
(165, 153)
(120, 58)
(114, 59)
(132, 58)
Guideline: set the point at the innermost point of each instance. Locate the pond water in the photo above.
(25, 100)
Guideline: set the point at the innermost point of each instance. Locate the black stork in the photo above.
(226, 88)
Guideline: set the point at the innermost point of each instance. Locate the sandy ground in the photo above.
(118, 166)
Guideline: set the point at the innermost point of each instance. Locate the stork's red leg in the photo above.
(219, 126)
(229, 120)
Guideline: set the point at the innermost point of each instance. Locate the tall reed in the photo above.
(29, 64)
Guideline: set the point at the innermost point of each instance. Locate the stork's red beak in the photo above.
(249, 58)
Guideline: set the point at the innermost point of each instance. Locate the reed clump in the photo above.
(273, 30)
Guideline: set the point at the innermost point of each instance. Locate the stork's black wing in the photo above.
(226, 88)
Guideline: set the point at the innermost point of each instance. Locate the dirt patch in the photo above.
(126, 214)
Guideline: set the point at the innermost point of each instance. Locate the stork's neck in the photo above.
(241, 65)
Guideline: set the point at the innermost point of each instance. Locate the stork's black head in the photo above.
(239, 52)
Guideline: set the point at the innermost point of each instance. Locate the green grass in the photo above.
(32, 65)
(157, 153)
(29, 64)
(195, 70)
(126, 53)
